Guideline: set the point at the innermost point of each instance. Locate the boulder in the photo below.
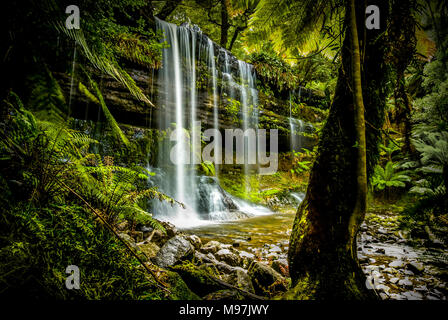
(397, 264)
(225, 255)
(246, 258)
(265, 279)
(211, 247)
(199, 280)
(158, 237)
(195, 241)
(174, 250)
(416, 267)
(239, 278)
(281, 266)
(170, 229)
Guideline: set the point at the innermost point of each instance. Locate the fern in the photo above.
(105, 64)
(388, 177)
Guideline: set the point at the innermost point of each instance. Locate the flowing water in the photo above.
(204, 200)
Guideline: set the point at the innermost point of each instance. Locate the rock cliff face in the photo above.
(273, 113)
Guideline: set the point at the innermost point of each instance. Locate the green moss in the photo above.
(178, 288)
(199, 280)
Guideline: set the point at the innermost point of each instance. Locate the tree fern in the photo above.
(388, 177)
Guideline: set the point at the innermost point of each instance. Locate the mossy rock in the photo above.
(198, 280)
(178, 288)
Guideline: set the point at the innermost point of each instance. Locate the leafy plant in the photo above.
(388, 177)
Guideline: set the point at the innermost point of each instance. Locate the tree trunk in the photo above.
(235, 36)
(224, 23)
(322, 253)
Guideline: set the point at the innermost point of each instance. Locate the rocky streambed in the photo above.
(247, 259)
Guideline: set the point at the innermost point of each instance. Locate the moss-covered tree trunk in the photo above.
(322, 255)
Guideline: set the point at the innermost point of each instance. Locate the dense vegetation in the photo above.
(68, 183)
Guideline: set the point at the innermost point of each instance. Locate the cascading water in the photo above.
(213, 72)
(203, 198)
(249, 100)
(296, 126)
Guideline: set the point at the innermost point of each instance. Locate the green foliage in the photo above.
(208, 168)
(388, 177)
(50, 185)
(302, 161)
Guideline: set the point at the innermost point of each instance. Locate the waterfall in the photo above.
(178, 72)
(249, 108)
(213, 72)
(177, 101)
(296, 126)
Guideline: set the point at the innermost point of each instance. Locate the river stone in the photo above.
(150, 249)
(195, 241)
(172, 251)
(416, 267)
(397, 264)
(281, 266)
(246, 258)
(203, 258)
(265, 279)
(158, 237)
(211, 247)
(170, 229)
(239, 278)
(405, 283)
(394, 280)
(225, 255)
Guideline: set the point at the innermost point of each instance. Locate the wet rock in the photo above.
(397, 264)
(239, 278)
(380, 250)
(412, 295)
(203, 258)
(405, 283)
(223, 267)
(246, 258)
(158, 237)
(225, 255)
(170, 229)
(195, 241)
(416, 267)
(281, 266)
(211, 247)
(394, 280)
(173, 251)
(265, 279)
(275, 248)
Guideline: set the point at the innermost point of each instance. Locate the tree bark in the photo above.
(322, 253)
(225, 25)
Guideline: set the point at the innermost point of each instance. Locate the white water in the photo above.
(296, 126)
(204, 200)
